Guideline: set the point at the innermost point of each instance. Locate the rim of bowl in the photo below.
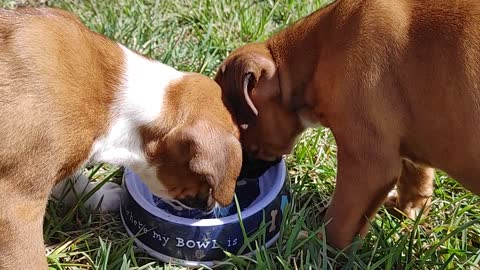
(186, 263)
(278, 171)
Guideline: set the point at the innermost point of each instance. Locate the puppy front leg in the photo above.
(21, 233)
(367, 171)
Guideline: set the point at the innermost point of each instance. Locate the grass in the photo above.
(195, 35)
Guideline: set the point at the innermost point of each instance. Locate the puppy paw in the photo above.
(409, 207)
(106, 199)
(392, 200)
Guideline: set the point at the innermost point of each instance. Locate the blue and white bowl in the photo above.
(163, 231)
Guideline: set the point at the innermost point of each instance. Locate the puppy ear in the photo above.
(249, 82)
(220, 160)
(209, 152)
(240, 77)
(256, 68)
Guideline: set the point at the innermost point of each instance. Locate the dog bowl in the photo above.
(249, 188)
(193, 238)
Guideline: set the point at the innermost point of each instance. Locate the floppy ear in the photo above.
(221, 164)
(211, 153)
(245, 70)
(256, 68)
(249, 82)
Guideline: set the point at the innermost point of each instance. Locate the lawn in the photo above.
(196, 35)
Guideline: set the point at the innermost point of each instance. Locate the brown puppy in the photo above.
(397, 82)
(69, 96)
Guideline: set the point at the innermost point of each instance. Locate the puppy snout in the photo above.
(254, 168)
(253, 151)
(262, 155)
(200, 202)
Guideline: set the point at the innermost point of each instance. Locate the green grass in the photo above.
(195, 35)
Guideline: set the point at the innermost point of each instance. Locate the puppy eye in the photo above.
(244, 126)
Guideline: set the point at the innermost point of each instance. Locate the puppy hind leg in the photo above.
(414, 190)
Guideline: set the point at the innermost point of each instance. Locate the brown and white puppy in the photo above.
(68, 96)
(397, 82)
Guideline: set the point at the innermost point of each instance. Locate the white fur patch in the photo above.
(138, 102)
(307, 123)
(144, 87)
(70, 191)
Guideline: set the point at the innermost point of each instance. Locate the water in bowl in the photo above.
(247, 190)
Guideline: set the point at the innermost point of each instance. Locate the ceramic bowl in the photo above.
(194, 239)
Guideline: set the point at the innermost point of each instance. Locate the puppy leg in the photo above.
(21, 232)
(365, 176)
(107, 198)
(414, 190)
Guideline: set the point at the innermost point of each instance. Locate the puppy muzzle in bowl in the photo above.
(187, 236)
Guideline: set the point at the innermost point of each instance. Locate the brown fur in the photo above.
(396, 81)
(48, 123)
(198, 143)
(57, 83)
